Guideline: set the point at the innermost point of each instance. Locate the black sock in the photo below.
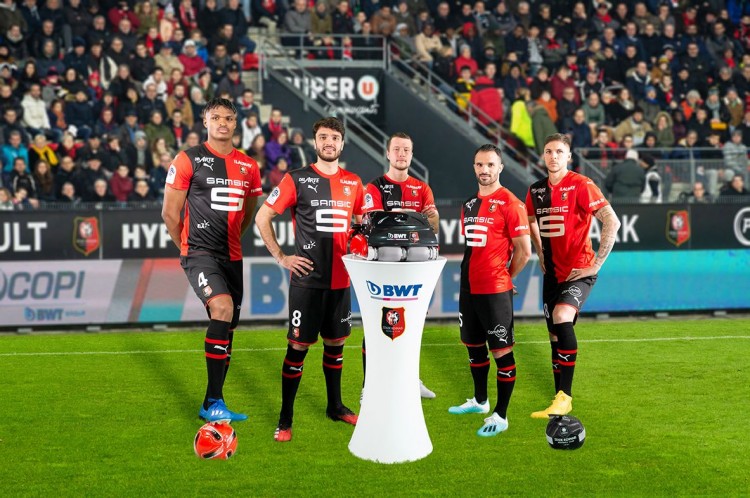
(291, 375)
(479, 361)
(364, 362)
(230, 337)
(506, 380)
(333, 362)
(567, 350)
(215, 346)
(555, 366)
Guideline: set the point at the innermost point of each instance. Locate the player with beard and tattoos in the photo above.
(322, 198)
(560, 209)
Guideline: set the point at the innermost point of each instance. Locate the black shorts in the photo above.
(486, 318)
(324, 311)
(211, 277)
(573, 293)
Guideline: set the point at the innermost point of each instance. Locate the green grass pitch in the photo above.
(665, 405)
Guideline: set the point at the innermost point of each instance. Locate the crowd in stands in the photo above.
(97, 96)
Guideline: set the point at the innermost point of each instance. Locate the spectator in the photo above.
(257, 151)
(635, 126)
(463, 87)
(159, 147)
(35, 117)
(190, 59)
(179, 101)
(465, 59)
(120, 183)
(562, 80)
(40, 150)
(652, 191)
(620, 108)
(403, 16)
(68, 194)
(148, 17)
(276, 149)
(274, 126)
(141, 197)
(638, 81)
(303, 154)
(6, 200)
(13, 149)
(101, 193)
(274, 176)
(80, 115)
(156, 129)
(486, 97)
(209, 18)
(663, 130)
(735, 189)
(427, 44)
(341, 19)
(159, 174)
(45, 182)
(718, 114)
(67, 172)
(541, 124)
(566, 108)
(91, 172)
(22, 201)
(626, 180)
(21, 178)
(520, 120)
(297, 25)
(735, 152)
(383, 21)
(106, 124)
(697, 195)
(700, 123)
(580, 132)
(166, 60)
(604, 153)
(179, 129)
(143, 156)
(250, 130)
(268, 13)
(232, 82)
(650, 104)
(735, 106)
(514, 80)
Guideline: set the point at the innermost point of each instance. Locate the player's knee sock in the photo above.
(567, 350)
(291, 375)
(215, 346)
(230, 337)
(555, 365)
(506, 380)
(333, 362)
(479, 361)
(364, 362)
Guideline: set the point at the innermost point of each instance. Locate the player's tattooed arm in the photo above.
(610, 226)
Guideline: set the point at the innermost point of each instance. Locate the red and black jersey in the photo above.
(322, 209)
(384, 194)
(218, 187)
(489, 224)
(563, 213)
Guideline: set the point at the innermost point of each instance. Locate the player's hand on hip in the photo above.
(579, 273)
(297, 264)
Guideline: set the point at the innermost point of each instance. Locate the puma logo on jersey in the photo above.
(311, 187)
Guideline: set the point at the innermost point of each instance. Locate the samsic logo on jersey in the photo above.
(393, 323)
(387, 292)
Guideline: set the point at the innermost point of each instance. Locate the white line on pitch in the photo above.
(258, 350)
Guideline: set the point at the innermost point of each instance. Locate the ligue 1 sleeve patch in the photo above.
(368, 202)
(394, 322)
(274, 196)
(171, 174)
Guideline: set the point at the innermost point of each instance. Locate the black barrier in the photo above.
(91, 234)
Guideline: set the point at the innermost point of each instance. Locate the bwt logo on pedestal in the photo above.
(387, 292)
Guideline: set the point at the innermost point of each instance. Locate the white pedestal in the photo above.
(393, 299)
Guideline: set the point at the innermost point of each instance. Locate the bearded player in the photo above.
(496, 231)
(397, 191)
(322, 197)
(560, 209)
(217, 187)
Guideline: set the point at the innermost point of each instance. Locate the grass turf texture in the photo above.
(114, 414)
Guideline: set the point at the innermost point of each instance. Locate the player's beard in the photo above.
(487, 180)
(401, 166)
(328, 156)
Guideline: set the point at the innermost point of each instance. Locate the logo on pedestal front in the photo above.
(393, 322)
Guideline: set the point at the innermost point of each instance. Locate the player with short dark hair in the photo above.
(398, 191)
(322, 197)
(496, 231)
(217, 187)
(560, 209)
